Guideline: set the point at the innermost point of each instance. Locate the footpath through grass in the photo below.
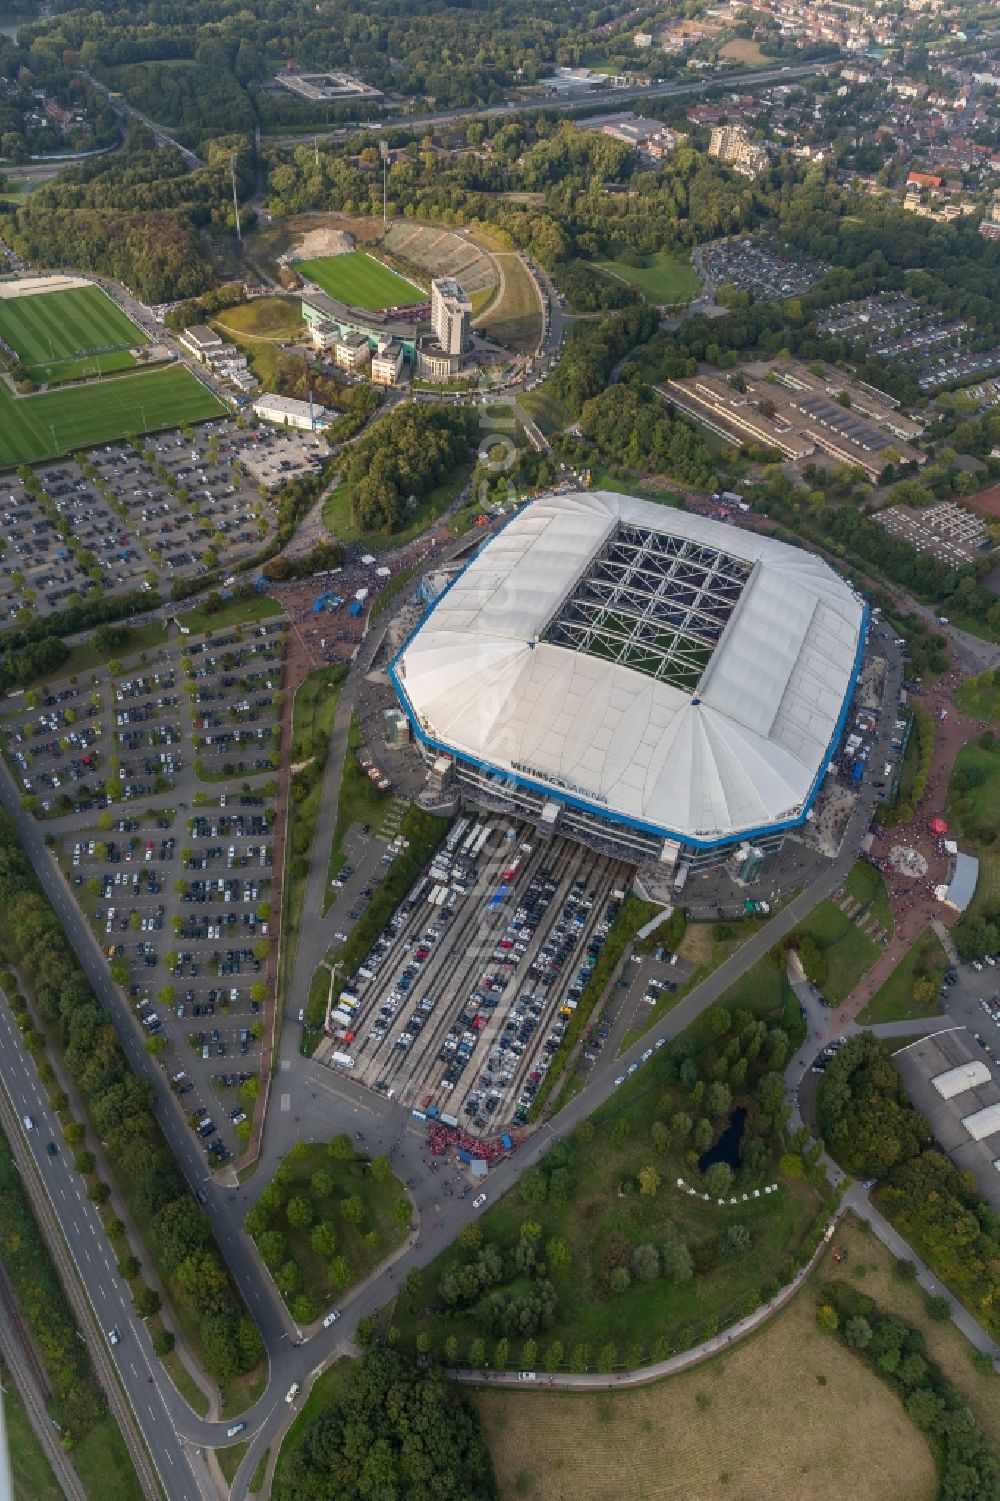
(775, 1407)
(663, 279)
(903, 997)
(52, 423)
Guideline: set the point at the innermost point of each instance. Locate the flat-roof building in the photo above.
(286, 411)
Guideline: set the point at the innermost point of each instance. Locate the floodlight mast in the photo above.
(236, 202)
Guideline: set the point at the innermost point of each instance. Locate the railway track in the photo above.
(104, 1368)
(18, 1353)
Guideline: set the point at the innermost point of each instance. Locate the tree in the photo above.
(323, 1239)
(719, 1179)
(299, 1212)
(353, 1209)
(649, 1181)
(646, 1263)
(827, 1319)
(381, 1169)
(557, 1254)
(619, 1278)
(341, 1148)
(271, 1246)
(675, 1258)
(735, 1242)
(146, 1301)
(339, 1272)
(938, 1308)
(858, 1332)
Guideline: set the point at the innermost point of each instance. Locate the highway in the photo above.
(602, 101)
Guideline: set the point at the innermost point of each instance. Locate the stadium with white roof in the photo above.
(647, 680)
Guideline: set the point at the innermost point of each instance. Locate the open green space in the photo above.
(360, 802)
(274, 318)
(663, 279)
(903, 995)
(230, 1458)
(865, 884)
(514, 317)
(257, 1478)
(32, 1473)
(598, 1257)
(360, 281)
(979, 697)
(47, 327)
(239, 610)
(974, 807)
(51, 423)
(545, 408)
(845, 952)
(185, 1383)
(325, 1220)
(338, 520)
(698, 1434)
(103, 1464)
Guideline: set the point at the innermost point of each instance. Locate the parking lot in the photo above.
(122, 518)
(468, 993)
(945, 530)
(162, 821)
(750, 266)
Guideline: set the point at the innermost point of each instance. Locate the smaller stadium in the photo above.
(360, 281)
(654, 683)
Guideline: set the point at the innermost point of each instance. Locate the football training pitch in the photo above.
(61, 335)
(360, 281)
(51, 423)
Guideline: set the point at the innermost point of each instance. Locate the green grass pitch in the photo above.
(51, 423)
(47, 328)
(360, 281)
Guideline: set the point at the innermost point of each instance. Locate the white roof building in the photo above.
(659, 668)
(983, 1123)
(957, 1080)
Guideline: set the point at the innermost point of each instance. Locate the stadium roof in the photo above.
(960, 1078)
(668, 670)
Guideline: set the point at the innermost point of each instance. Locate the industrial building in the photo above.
(651, 682)
(950, 1082)
(286, 411)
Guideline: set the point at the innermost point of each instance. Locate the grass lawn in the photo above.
(230, 1458)
(870, 1267)
(849, 953)
(326, 1388)
(185, 1383)
(33, 1477)
(50, 326)
(514, 317)
(360, 280)
(237, 611)
(545, 408)
(893, 1001)
(359, 1243)
(103, 1464)
(866, 886)
(603, 479)
(360, 802)
(257, 1478)
(980, 697)
(51, 423)
(767, 1418)
(338, 520)
(272, 318)
(663, 279)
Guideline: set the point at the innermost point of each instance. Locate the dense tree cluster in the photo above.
(403, 459)
(594, 350)
(134, 217)
(398, 1431)
(121, 1108)
(896, 1351)
(77, 1399)
(628, 424)
(873, 1131)
(590, 291)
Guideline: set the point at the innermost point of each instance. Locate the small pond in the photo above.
(727, 1148)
